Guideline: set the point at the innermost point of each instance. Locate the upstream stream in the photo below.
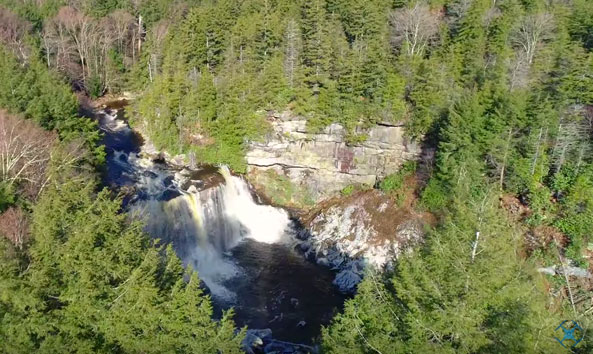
(243, 250)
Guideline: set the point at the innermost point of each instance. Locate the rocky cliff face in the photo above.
(323, 162)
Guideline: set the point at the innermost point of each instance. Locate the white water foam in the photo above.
(263, 223)
(110, 122)
(203, 225)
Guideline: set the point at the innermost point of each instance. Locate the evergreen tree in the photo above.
(465, 291)
(96, 283)
(206, 104)
(315, 42)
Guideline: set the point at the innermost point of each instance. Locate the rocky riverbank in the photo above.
(366, 229)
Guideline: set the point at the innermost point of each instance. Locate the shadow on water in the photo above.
(281, 290)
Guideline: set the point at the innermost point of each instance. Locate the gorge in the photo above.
(243, 250)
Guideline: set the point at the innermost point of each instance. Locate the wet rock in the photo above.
(323, 261)
(149, 174)
(181, 179)
(265, 333)
(251, 342)
(301, 324)
(568, 270)
(304, 246)
(254, 340)
(336, 259)
(192, 189)
(185, 172)
(168, 195)
(160, 158)
(168, 181)
(368, 230)
(347, 281)
(188, 184)
(303, 234)
(279, 347)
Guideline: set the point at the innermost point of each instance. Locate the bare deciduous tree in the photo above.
(79, 43)
(13, 31)
(292, 40)
(157, 37)
(527, 38)
(14, 225)
(24, 153)
(66, 37)
(573, 139)
(123, 27)
(414, 28)
(533, 30)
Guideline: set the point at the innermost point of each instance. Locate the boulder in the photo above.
(254, 340)
(347, 281)
(280, 347)
(368, 229)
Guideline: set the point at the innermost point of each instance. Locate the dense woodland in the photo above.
(501, 89)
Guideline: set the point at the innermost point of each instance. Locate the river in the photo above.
(244, 251)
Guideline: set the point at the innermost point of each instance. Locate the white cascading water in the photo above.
(263, 223)
(203, 225)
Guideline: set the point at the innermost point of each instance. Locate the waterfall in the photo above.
(204, 225)
(262, 223)
(243, 251)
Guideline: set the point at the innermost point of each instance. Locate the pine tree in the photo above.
(206, 103)
(274, 93)
(315, 42)
(96, 283)
(464, 291)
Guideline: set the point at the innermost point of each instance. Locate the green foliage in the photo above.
(394, 182)
(42, 96)
(576, 213)
(348, 190)
(453, 295)
(7, 195)
(328, 66)
(96, 283)
(434, 196)
(368, 322)
(426, 96)
(95, 87)
(282, 191)
(581, 23)
(495, 116)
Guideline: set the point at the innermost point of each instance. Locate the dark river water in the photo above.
(244, 251)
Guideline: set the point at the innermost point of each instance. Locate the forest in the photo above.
(501, 90)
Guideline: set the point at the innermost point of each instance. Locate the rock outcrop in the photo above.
(261, 341)
(366, 229)
(324, 162)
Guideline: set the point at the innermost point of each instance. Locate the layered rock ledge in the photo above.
(324, 162)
